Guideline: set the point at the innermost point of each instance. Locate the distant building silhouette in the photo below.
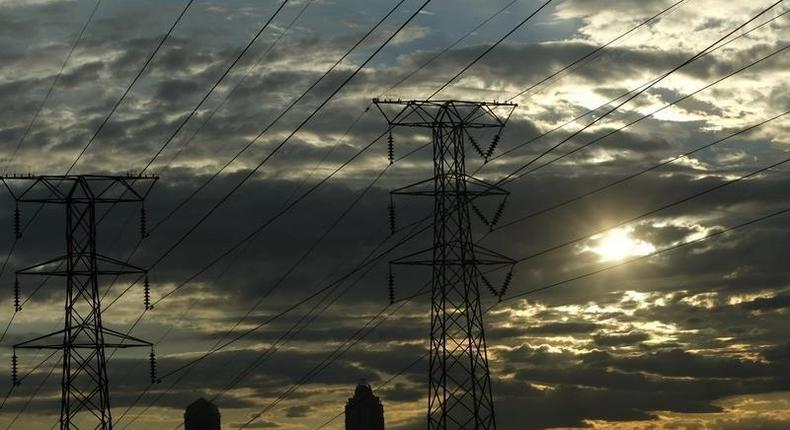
(201, 415)
(364, 411)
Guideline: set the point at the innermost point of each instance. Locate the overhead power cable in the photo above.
(699, 193)
(222, 77)
(131, 84)
(490, 48)
(636, 174)
(293, 103)
(639, 92)
(597, 50)
(54, 83)
(25, 376)
(104, 122)
(621, 96)
(411, 17)
(34, 393)
(236, 86)
(359, 336)
(304, 122)
(249, 236)
(365, 148)
(331, 227)
(580, 277)
(521, 172)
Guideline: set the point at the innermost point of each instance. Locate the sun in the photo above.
(617, 244)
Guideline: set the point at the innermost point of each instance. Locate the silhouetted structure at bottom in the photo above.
(202, 415)
(364, 411)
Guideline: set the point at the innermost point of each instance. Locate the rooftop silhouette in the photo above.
(364, 411)
(202, 415)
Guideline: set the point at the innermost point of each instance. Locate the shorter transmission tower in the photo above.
(459, 396)
(85, 396)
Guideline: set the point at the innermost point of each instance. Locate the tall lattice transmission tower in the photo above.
(459, 382)
(85, 395)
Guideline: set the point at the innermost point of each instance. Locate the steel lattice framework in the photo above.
(459, 382)
(85, 397)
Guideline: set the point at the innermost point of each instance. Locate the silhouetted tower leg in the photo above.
(85, 397)
(459, 383)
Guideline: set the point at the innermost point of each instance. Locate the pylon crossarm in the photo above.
(35, 343)
(448, 262)
(410, 261)
(123, 267)
(481, 251)
(38, 269)
(127, 186)
(433, 113)
(413, 189)
(124, 339)
(53, 193)
(92, 188)
(488, 188)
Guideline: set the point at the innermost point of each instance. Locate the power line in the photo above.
(236, 86)
(315, 111)
(334, 357)
(335, 92)
(659, 209)
(331, 227)
(293, 103)
(583, 276)
(214, 87)
(636, 174)
(25, 376)
(523, 259)
(521, 173)
(596, 50)
(448, 48)
(222, 256)
(490, 48)
(53, 83)
(694, 196)
(652, 254)
(103, 123)
(638, 93)
(197, 107)
(603, 105)
(326, 178)
(365, 148)
(184, 284)
(131, 84)
(34, 394)
(662, 208)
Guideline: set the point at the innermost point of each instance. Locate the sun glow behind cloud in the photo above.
(617, 244)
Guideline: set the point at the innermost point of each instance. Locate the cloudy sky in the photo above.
(695, 338)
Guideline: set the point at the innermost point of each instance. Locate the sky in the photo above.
(691, 338)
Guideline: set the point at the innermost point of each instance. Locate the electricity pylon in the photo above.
(459, 396)
(85, 396)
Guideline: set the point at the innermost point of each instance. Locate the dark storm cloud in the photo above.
(628, 339)
(299, 411)
(569, 328)
(625, 385)
(676, 362)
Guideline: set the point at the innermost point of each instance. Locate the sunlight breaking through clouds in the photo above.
(618, 244)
